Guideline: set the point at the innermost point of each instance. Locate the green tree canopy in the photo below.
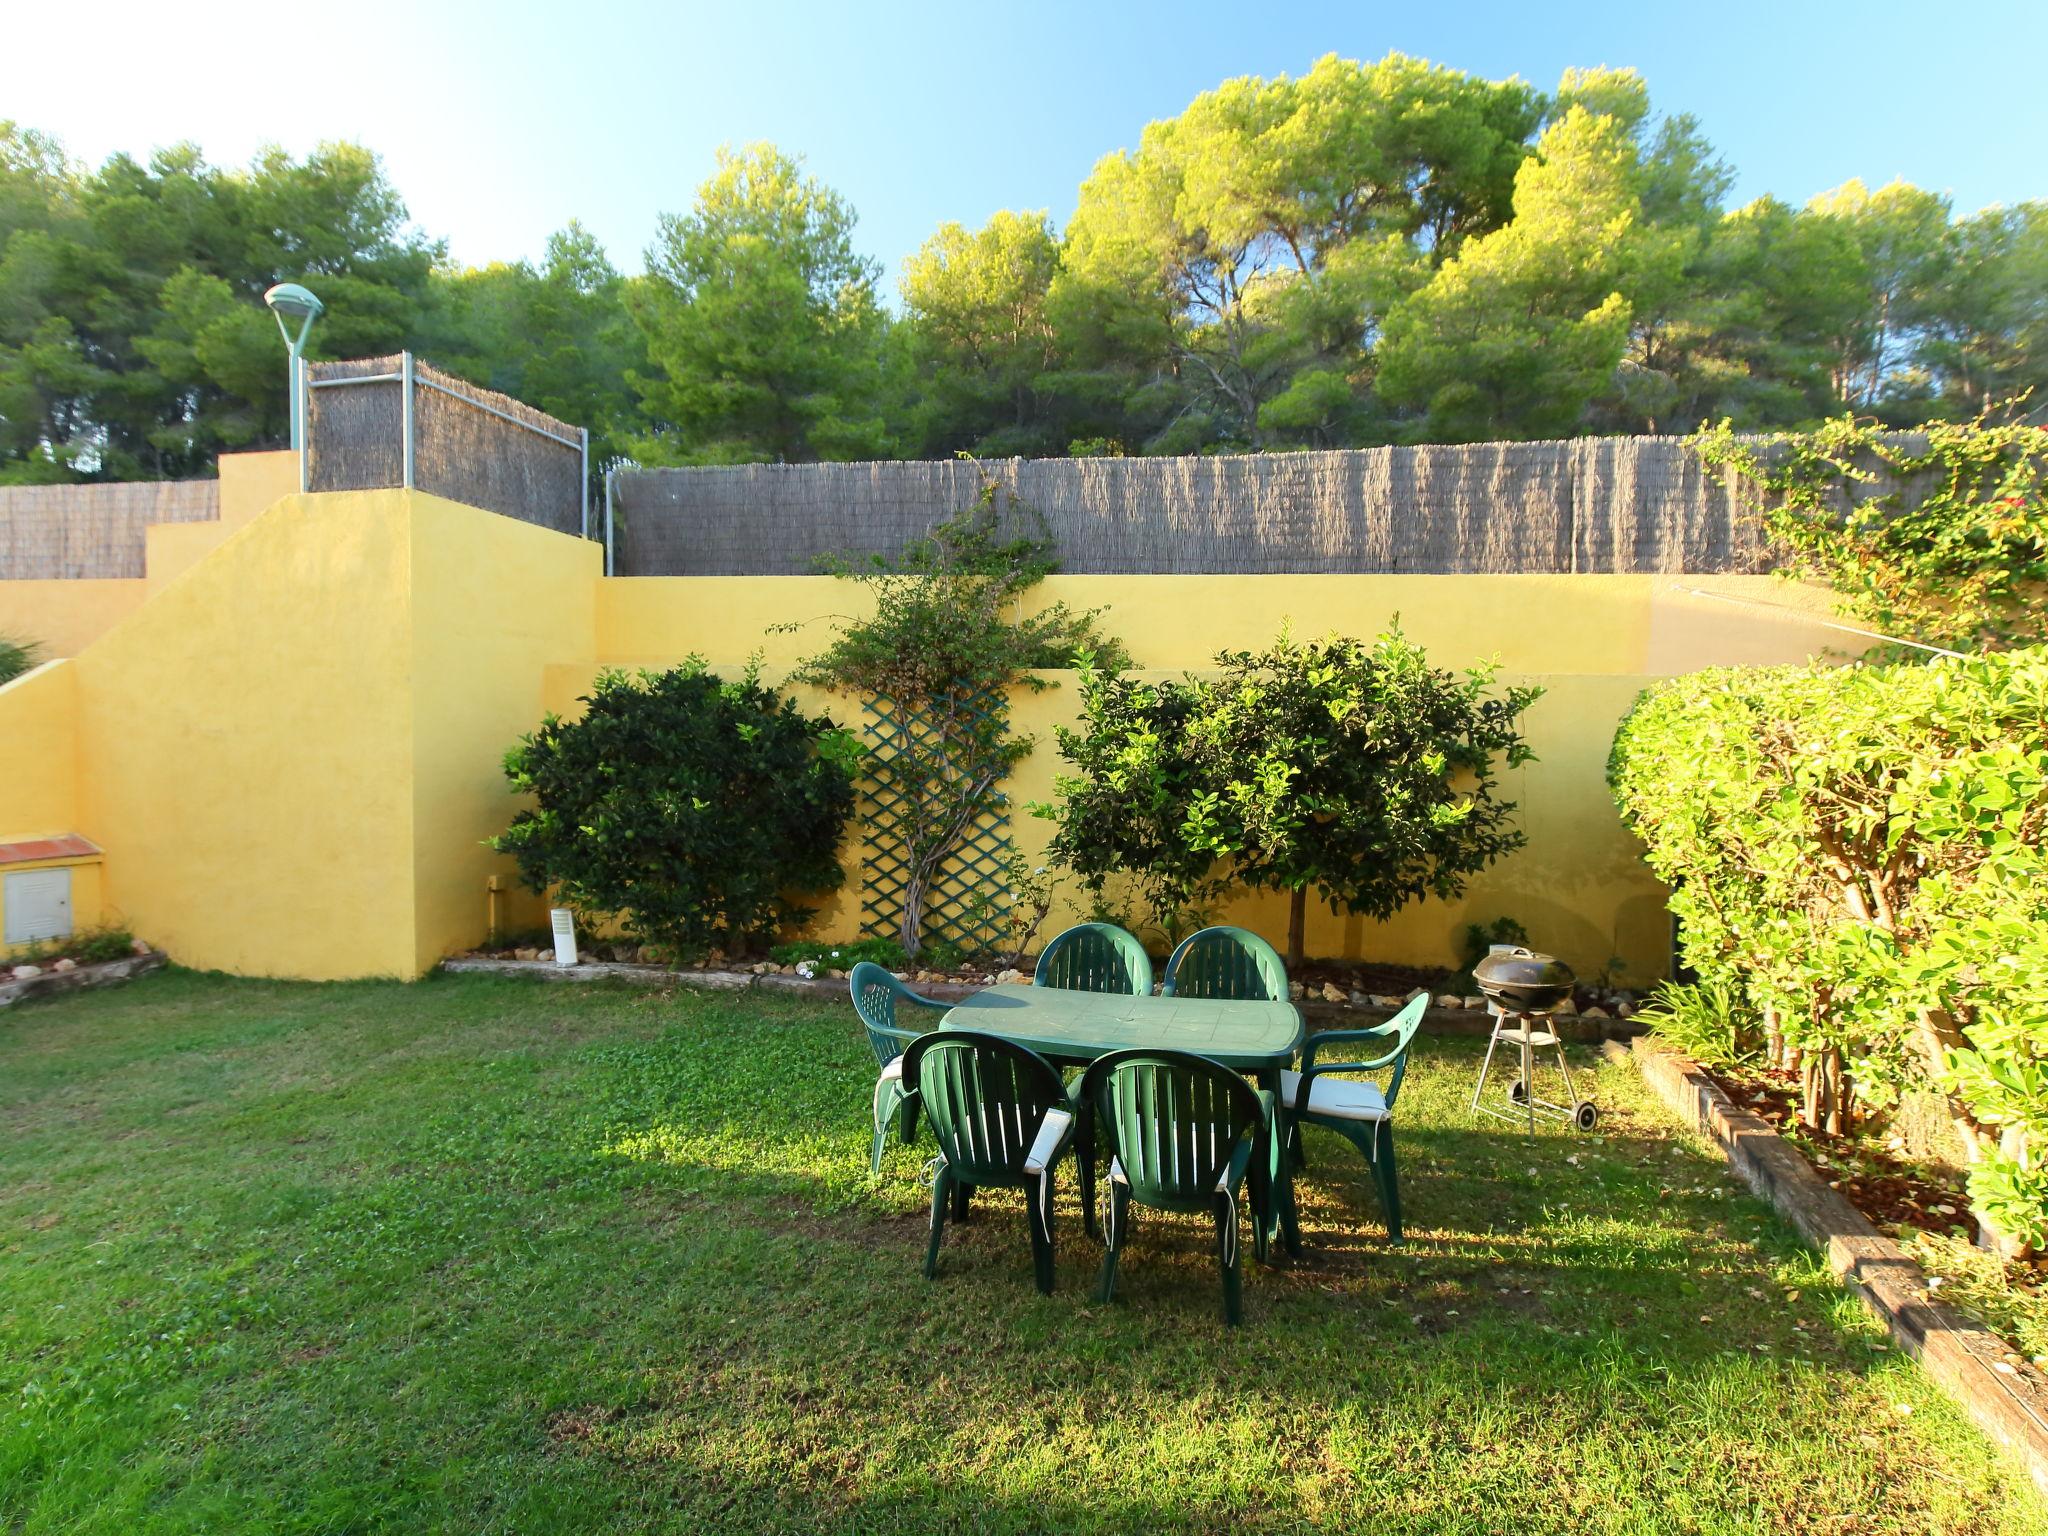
(556, 336)
(1516, 334)
(133, 338)
(1351, 768)
(763, 334)
(983, 341)
(1258, 235)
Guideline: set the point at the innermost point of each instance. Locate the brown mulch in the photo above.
(1892, 1191)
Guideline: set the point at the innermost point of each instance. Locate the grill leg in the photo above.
(1571, 1089)
(1529, 1076)
(1487, 1065)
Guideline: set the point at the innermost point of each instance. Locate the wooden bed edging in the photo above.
(2007, 1399)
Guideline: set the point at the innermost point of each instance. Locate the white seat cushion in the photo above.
(1050, 1130)
(1341, 1098)
(893, 1073)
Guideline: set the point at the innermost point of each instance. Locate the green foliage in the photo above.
(92, 946)
(692, 809)
(844, 956)
(1703, 1019)
(1357, 770)
(16, 657)
(1259, 235)
(133, 338)
(1857, 857)
(947, 641)
(943, 955)
(1516, 334)
(1365, 253)
(760, 321)
(1941, 538)
(984, 346)
(556, 336)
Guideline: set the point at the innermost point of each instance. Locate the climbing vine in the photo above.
(1938, 536)
(950, 636)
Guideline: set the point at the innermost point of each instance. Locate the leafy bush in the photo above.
(1351, 768)
(1857, 857)
(690, 808)
(16, 657)
(1939, 537)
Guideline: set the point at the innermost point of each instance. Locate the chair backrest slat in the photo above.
(1095, 957)
(1228, 963)
(875, 995)
(984, 1097)
(1172, 1119)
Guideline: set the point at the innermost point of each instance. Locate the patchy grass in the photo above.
(474, 1255)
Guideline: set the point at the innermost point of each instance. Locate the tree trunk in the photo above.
(2013, 1142)
(1297, 921)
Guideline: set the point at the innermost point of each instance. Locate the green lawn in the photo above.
(474, 1255)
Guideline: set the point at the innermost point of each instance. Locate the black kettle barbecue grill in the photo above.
(1523, 988)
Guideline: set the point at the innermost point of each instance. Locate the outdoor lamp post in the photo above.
(289, 302)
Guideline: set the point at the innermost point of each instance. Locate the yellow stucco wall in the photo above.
(63, 617)
(290, 752)
(494, 602)
(1592, 642)
(245, 748)
(39, 753)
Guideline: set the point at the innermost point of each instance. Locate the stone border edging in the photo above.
(1965, 1360)
(107, 973)
(1441, 1021)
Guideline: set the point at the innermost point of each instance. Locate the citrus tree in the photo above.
(1354, 769)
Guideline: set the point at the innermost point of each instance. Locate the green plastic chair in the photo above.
(1183, 1133)
(1226, 962)
(1095, 957)
(876, 994)
(1002, 1117)
(1361, 1112)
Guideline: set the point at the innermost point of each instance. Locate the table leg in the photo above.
(1285, 1218)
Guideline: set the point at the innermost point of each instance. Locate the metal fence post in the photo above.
(610, 476)
(583, 482)
(405, 412)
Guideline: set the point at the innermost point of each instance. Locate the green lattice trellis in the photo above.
(969, 898)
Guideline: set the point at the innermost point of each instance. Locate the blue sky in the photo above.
(500, 122)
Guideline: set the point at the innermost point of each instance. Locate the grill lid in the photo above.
(1523, 981)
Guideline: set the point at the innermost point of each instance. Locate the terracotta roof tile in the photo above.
(66, 845)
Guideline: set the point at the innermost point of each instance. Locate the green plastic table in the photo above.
(1079, 1026)
(1076, 1027)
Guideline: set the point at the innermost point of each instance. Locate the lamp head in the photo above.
(291, 300)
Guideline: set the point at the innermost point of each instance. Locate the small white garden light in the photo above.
(564, 922)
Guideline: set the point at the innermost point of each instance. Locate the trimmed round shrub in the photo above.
(692, 809)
